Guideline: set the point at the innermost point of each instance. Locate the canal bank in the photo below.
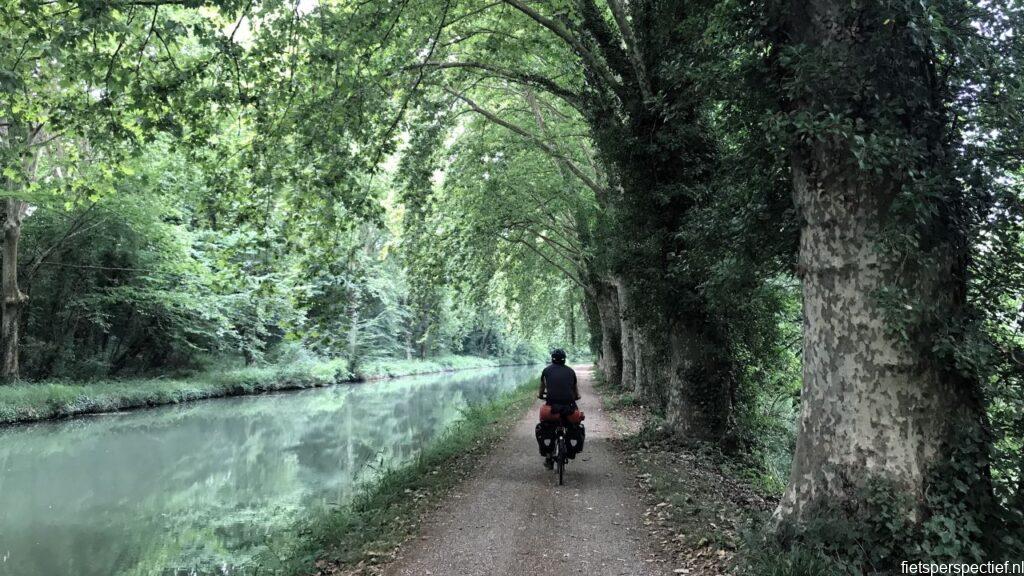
(24, 402)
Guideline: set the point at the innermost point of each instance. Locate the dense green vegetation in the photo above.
(795, 228)
(25, 402)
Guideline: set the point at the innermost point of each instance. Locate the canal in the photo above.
(200, 488)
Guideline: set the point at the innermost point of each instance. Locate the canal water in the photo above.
(199, 488)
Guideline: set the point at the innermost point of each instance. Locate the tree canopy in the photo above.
(731, 205)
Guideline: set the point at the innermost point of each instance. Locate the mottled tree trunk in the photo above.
(700, 386)
(872, 405)
(13, 298)
(650, 361)
(627, 331)
(875, 404)
(611, 333)
(645, 381)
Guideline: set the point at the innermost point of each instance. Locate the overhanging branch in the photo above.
(592, 61)
(575, 279)
(527, 78)
(544, 146)
(632, 47)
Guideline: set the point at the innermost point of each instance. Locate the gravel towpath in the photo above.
(510, 518)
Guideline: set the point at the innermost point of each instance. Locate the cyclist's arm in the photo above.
(543, 385)
(575, 387)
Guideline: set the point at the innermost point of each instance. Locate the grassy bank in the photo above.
(393, 368)
(359, 537)
(26, 402)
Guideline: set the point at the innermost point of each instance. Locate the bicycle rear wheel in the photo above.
(560, 460)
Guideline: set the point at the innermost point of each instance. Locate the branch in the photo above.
(88, 267)
(547, 148)
(151, 3)
(555, 222)
(560, 164)
(568, 252)
(117, 51)
(74, 230)
(527, 78)
(561, 268)
(415, 85)
(632, 48)
(145, 42)
(598, 67)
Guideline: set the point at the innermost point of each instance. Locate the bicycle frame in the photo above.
(561, 449)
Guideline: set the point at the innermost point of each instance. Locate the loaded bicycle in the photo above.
(560, 435)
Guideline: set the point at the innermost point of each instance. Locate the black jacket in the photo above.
(560, 383)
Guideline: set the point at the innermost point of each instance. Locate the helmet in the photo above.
(558, 355)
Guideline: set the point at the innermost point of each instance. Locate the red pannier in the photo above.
(547, 415)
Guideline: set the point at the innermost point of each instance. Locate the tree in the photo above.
(878, 102)
(630, 74)
(67, 72)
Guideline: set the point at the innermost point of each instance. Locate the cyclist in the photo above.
(559, 389)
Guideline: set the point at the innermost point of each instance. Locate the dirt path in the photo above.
(511, 518)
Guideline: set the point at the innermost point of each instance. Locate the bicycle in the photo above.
(560, 454)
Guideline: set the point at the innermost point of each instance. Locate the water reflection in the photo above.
(195, 489)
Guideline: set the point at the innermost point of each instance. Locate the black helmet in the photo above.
(558, 355)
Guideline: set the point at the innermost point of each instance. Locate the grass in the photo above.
(389, 368)
(27, 402)
(368, 531)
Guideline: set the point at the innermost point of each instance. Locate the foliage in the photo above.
(428, 185)
(388, 368)
(57, 399)
(874, 536)
(153, 280)
(48, 399)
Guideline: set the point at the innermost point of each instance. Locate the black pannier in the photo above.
(575, 434)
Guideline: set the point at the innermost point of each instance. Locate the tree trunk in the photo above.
(700, 383)
(645, 385)
(572, 323)
(611, 336)
(653, 356)
(353, 333)
(13, 298)
(877, 402)
(871, 405)
(594, 326)
(627, 332)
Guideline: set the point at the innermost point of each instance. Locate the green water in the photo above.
(197, 489)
